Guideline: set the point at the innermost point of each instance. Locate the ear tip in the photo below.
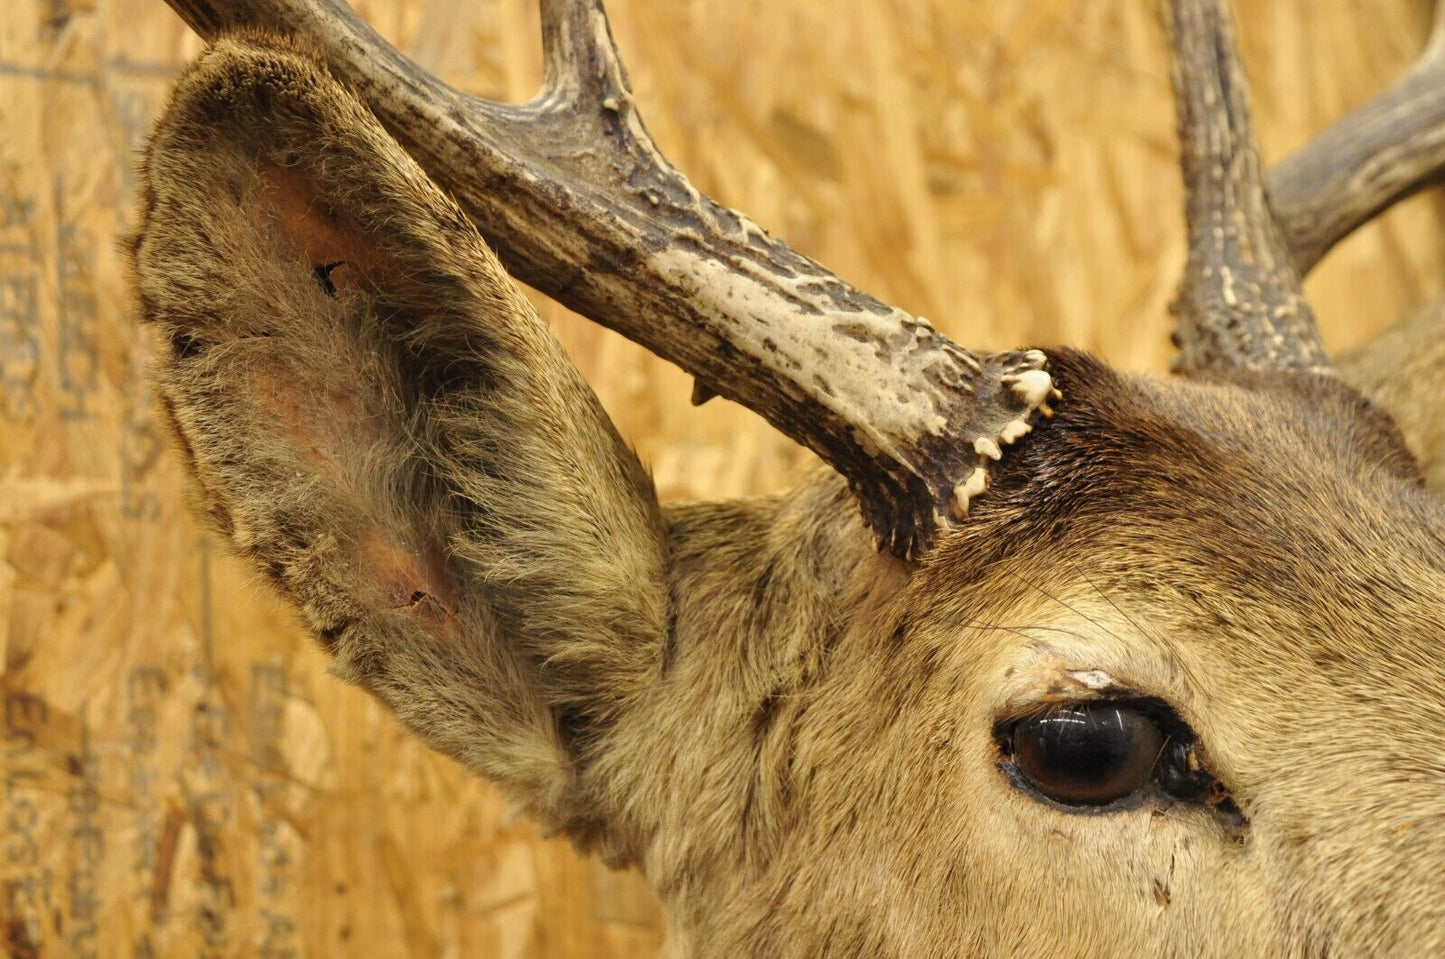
(244, 88)
(247, 69)
(251, 47)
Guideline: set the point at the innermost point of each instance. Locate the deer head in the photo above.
(1052, 660)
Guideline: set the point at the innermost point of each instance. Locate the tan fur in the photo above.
(791, 733)
(1403, 371)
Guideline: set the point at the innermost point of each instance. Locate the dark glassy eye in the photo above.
(1087, 754)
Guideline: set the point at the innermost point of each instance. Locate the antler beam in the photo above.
(1253, 237)
(1366, 161)
(1240, 305)
(578, 202)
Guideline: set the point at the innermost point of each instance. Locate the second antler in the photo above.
(1252, 236)
(1240, 304)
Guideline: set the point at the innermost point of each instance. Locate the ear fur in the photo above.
(1402, 371)
(378, 421)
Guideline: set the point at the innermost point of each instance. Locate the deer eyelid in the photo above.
(1046, 752)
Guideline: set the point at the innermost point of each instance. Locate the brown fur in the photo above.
(791, 733)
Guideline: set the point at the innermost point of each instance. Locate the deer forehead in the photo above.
(1276, 633)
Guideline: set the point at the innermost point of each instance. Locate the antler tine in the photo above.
(578, 202)
(1366, 161)
(1240, 305)
(583, 67)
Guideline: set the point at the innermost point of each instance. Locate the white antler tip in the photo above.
(1013, 431)
(976, 483)
(1033, 387)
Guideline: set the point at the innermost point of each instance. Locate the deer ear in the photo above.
(1403, 372)
(379, 422)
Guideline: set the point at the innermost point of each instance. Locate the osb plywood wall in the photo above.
(180, 774)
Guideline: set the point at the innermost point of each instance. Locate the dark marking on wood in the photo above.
(165, 863)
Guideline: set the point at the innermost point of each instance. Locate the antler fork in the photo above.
(1253, 237)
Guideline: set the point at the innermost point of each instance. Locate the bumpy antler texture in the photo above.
(580, 204)
(1240, 305)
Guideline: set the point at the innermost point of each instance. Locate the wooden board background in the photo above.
(180, 776)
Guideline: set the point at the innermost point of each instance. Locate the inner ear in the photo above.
(338, 255)
(379, 421)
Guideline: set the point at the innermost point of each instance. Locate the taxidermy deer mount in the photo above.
(1052, 661)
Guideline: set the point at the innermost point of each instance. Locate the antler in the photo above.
(1240, 305)
(1367, 160)
(1252, 237)
(578, 202)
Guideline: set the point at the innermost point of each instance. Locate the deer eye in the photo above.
(1087, 754)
